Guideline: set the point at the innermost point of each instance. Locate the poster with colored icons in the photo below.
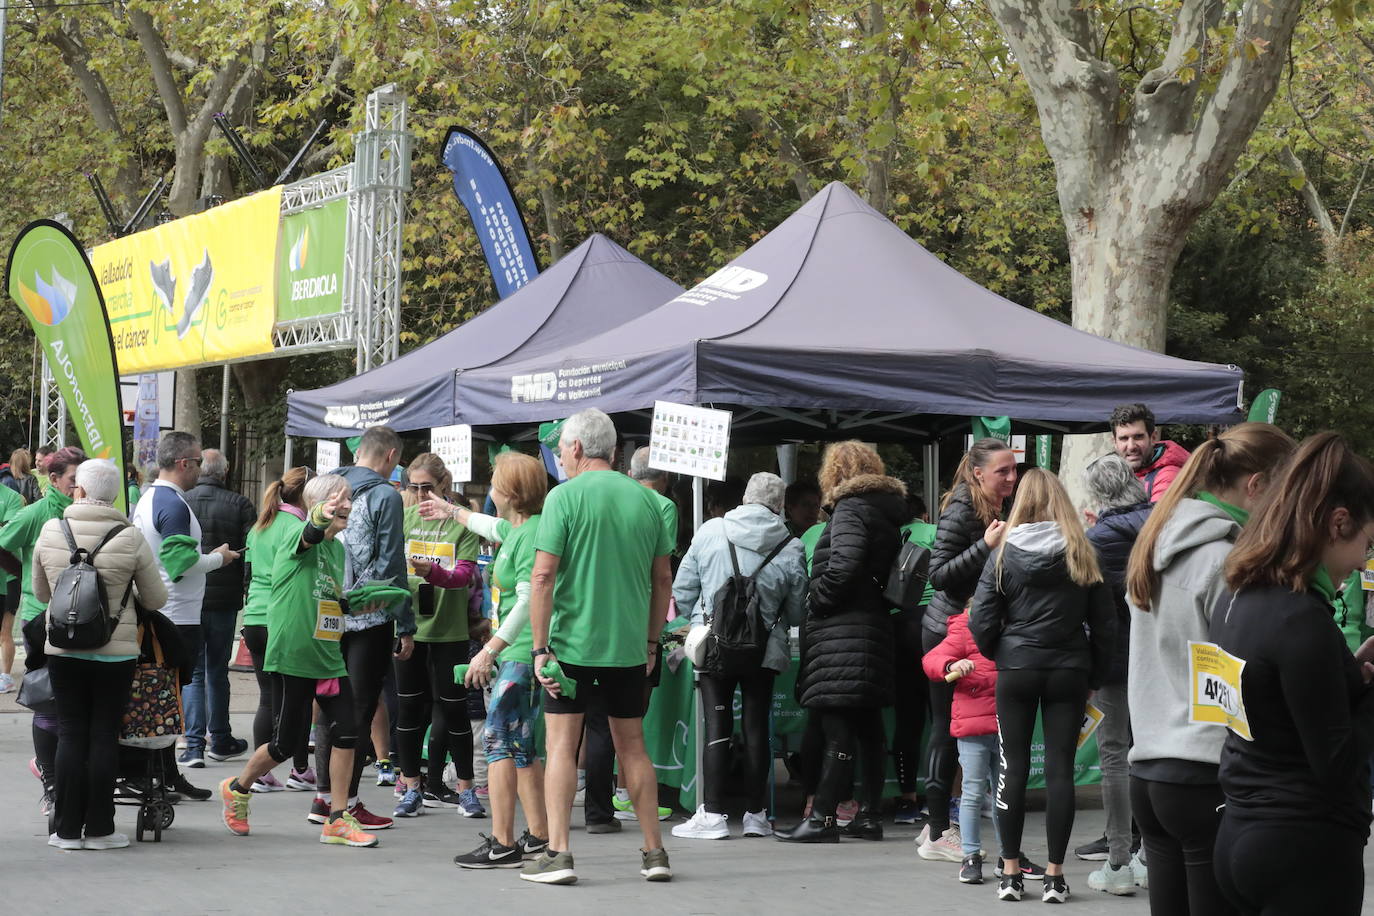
(689, 440)
(454, 445)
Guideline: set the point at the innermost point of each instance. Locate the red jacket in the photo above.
(1160, 473)
(975, 695)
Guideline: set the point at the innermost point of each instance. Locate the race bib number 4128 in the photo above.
(1215, 679)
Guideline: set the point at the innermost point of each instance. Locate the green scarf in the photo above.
(57, 501)
(1236, 512)
(1321, 581)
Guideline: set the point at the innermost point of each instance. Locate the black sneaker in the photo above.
(971, 872)
(530, 845)
(1011, 887)
(184, 788)
(236, 747)
(612, 826)
(1028, 869)
(490, 854)
(1096, 851)
(1056, 889)
(438, 795)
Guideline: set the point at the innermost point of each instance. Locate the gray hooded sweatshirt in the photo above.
(1189, 556)
(755, 531)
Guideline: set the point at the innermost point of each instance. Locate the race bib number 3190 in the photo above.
(1215, 678)
(329, 621)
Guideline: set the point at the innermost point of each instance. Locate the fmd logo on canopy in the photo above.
(726, 283)
(537, 386)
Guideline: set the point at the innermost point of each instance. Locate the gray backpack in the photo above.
(79, 611)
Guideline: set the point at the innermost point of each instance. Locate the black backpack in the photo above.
(738, 639)
(905, 588)
(79, 610)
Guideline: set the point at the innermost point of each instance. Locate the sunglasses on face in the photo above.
(420, 487)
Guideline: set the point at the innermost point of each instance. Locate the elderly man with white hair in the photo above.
(92, 685)
(751, 540)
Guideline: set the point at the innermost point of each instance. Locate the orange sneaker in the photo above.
(235, 808)
(346, 832)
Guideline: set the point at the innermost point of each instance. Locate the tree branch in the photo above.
(1311, 198)
(155, 50)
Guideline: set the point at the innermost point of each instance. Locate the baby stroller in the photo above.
(152, 722)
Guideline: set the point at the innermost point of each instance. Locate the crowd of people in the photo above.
(355, 586)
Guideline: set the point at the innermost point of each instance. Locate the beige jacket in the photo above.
(126, 556)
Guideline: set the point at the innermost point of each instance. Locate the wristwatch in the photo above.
(535, 653)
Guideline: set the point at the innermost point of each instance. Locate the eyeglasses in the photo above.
(421, 487)
(198, 461)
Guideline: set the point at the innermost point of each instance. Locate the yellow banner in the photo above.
(1217, 700)
(201, 289)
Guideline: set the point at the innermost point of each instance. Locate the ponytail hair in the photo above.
(980, 456)
(1217, 464)
(289, 489)
(1042, 498)
(1284, 541)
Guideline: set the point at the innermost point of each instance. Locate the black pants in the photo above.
(255, 638)
(944, 753)
(911, 698)
(1178, 828)
(600, 765)
(426, 693)
(294, 699)
(91, 698)
(367, 654)
(718, 703)
(1288, 868)
(1060, 695)
(848, 732)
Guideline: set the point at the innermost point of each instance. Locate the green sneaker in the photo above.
(654, 865)
(625, 810)
(553, 868)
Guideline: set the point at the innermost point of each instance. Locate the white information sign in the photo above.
(689, 440)
(454, 445)
(326, 456)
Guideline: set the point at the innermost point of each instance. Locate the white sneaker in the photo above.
(948, 848)
(111, 841)
(1140, 872)
(60, 843)
(756, 824)
(703, 826)
(6, 683)
(1119, 881)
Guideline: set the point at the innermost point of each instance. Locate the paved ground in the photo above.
(201, 868)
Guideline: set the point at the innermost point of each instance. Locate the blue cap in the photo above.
(396, 474)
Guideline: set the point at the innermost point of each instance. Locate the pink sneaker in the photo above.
(845, 812)
(481, 791)
(302, 781)
(268, 783)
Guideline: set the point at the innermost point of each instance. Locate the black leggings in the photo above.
(91, 698)
(1060, 695)
(847, 731)
(368, 654)
(1288, 868)
(718, 704)
(293, 698)
(944, 753)
(1178, 828)
(255, 638)
(426, 693)
(911, 698)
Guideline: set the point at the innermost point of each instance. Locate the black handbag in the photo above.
(35, 692)
(906, 581)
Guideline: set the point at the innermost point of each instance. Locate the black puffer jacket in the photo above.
(847, 636)
(956, 560)
(1113, 537)
(1037, 617)
(225, 517)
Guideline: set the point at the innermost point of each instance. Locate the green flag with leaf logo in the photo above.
(50, 279)
(1265, 406)
(992, 428)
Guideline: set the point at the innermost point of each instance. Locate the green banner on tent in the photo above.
(992, 428)
(310, 262)
(1044, 452)
(1265, 406)
(51, 280)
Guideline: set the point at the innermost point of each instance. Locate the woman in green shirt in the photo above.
(304, 626)
(518, 486)
(444, 553)
(282, 503)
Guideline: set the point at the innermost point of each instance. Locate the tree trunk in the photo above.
(187, 404)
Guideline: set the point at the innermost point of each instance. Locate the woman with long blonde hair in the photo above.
(1044, 615)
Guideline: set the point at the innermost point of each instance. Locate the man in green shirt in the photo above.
(598, 601)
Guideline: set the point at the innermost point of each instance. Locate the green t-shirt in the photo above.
(809, 538)
(668, 509)
(922, 534)
(19, 536)
(514, 564)
(446, 542)
(261, 554)
(304, 619)
(606, 529)
(10, 504)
